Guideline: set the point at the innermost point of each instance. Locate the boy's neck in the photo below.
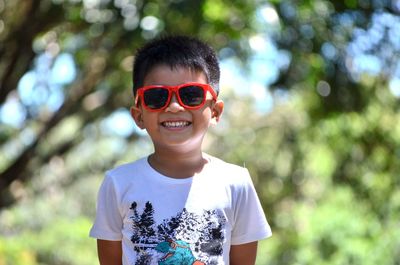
(177, 165)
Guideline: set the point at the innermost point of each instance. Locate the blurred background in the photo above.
(312, 110)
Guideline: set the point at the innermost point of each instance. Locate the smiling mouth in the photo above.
(175, 124)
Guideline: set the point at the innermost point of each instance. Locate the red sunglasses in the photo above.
(189, 95)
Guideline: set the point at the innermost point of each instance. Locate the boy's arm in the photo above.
(109, 252)
(243, 254)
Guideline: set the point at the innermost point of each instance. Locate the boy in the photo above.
(178, 205)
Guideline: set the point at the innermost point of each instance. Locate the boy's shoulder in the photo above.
(128, 168)
(222, 164)
(227, 170)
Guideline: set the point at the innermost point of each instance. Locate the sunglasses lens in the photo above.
(192, 96)
(155, 98)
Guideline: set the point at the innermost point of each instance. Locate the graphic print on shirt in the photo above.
(185, 239)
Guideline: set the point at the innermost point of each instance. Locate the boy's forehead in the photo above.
(166, 75)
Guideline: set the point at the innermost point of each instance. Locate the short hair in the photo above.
(176, 51)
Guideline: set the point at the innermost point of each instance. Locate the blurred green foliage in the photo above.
(64, 241)
(324, 158)
(329, 198)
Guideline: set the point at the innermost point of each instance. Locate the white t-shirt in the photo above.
(162, 220)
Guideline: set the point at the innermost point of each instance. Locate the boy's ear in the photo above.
(137, 116)
(217, 109)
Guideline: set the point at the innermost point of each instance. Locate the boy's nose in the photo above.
(174, 105)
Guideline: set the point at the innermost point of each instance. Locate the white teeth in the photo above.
(175, 124)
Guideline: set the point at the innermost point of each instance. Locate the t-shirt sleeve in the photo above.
(108, 222)
(250, 222)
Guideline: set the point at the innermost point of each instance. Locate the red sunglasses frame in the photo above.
(174, 90)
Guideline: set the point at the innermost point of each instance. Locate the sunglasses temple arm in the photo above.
(136, 100)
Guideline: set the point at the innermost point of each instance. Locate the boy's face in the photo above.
(177, 127)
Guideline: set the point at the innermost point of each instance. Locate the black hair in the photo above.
(176, 51)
